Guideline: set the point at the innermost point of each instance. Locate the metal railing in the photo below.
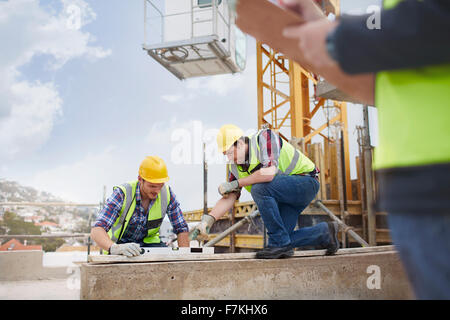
(216, 17)
(234, 227)
(40, 236)
(56, 204)
(345, 228)
(47, 204)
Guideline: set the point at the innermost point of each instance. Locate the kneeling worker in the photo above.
(132, 216)
(282, 182)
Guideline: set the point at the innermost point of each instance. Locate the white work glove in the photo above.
(229, 187)
(126, 249)
(201, 230)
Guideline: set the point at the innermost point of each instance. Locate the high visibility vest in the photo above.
(413, 115)
(156, 213)
(290, 162)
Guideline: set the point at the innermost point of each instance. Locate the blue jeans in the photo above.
(280, 203)
(423, 243)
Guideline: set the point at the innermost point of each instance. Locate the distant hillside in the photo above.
(11, 191)
(69, 219)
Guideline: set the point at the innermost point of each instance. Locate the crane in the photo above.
(195, 38)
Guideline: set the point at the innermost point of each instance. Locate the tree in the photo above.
(82, 227)
(50, 244)
(16, 225)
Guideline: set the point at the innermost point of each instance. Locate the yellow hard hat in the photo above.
(227, 136)
(153, 169)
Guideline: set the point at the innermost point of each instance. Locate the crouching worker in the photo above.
(282, 182)
(132, 216)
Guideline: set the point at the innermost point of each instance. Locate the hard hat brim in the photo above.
(161, 180)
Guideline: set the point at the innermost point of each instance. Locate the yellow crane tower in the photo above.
(288, 104)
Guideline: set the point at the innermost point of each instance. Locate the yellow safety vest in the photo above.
(290, 162)
(413, 115)
(156, 213)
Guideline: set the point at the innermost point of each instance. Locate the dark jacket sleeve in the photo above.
(415, 33)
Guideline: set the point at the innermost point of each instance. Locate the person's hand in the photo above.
(201, 230)
(228, 187)
(312, 42)
(126, 249)
(307, 9)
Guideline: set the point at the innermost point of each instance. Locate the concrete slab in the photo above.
(372, 275)
(27, 265)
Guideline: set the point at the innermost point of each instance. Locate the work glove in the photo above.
(201, 230)
(126, 249)
(229, 187)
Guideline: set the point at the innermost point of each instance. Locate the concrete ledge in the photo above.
(27, 265)
(342, 276)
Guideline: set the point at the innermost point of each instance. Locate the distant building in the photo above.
(46, 224)
(15, 245)
(51, 227)
(34, 219)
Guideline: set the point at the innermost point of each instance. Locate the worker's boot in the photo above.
(333, 246)
(275, 252)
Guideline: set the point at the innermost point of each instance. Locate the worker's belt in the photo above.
(314, 173)
(152, 224)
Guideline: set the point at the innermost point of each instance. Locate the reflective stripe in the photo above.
(234, 170)
(129, 200)
(156, 223)
(254, 148)
(164, 201)
(293, 163)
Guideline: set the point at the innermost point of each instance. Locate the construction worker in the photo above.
(132, 216)
(282, 182)
(408, 61)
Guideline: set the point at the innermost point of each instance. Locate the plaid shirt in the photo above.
(137, 227)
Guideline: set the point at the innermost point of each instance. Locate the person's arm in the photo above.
(106, 218)
(413, 34)
(101, 238)
(270, 146)
(312, 42)
(201, 230)
(261, 176)
(176, 218)
(183, 239)
(223, 205)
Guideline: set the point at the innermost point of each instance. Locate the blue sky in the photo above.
(80, 108)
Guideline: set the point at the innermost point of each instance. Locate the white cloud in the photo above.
(179, 143)
(28, 109)
(172, 98)
(29, 123)
(82, 181)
